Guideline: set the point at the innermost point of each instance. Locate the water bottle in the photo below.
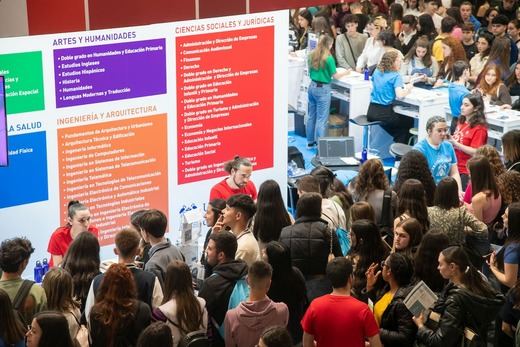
(38, 272)
(366, 74)
(364, 155)
(45, 265)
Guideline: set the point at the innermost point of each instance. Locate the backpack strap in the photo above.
(22, 294)
(385, 211)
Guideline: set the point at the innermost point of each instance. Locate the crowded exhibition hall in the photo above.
(254, 173)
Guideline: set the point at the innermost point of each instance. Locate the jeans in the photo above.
(318, 111)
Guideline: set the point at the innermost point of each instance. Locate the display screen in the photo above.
(3, 124)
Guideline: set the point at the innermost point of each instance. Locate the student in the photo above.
(407, 237)
(304, 22)
(238, 182)
(426, 260)
(448, 24)
(12, 331)
(412, 203)
(411, 7)
(499, 55)
(453, 52)
(479, 60)
(430, 8)
(513, 31)
(322, 69)
(439, 153)
(275, 336)
(511, 147)
(156, 334)
(457, 90)
(217, 288)
(471, 133)
(14, 257)
(244, 324)
(373, 47)
(468, 33)
(356, 8)
(237, 216)
(47, 330)
(349, 46)
(468, 301)
(148, 286)
(499, 26)
(465, 12)
(333, 319)
(493, 90)
(388, 85)
(78, 221)
(154, 223)
(408, 35)
(513, 83)
(419, 63)
(426, 27)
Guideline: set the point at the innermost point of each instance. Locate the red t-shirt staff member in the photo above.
(78, 221)
(238, 182)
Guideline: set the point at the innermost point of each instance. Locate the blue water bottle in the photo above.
(45, 265)
(364, 155)
(38, 272)
(366, 73)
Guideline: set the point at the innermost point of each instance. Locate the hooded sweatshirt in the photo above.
(245, 323)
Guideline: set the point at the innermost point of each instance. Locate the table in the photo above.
(422, 104)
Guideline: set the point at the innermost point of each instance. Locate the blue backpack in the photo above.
(240, 293)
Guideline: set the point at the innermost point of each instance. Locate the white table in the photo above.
(422, 104)
(354, 93)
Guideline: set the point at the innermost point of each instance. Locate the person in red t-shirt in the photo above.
(337, 319)
(78, 221)
(238, 182)
(470, 134)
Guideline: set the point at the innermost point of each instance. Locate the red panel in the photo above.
(270, 5)
(55, 16)
(218, 8)
(120, 13)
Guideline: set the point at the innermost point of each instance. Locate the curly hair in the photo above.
(478, 116)
(494, 158)
(371, 177)
(509, 186)
(414, 165)
(412, 201)
(116, 300)
(387, 62)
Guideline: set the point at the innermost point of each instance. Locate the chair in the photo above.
(413, 139)
(363, 121)
(398, 150)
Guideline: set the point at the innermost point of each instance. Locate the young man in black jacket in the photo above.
(217, 288)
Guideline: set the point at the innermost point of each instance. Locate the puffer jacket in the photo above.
(397, 327)
(309, 241)
(459, 309)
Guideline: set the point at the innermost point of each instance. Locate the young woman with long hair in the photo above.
(367, 248)
(411, 7)
(511, 148)
(182, 310)
(412, 203)
(82, 262)
(426, 27)
(304, 23)
(156, 334)
(477, 63)
(48, 329)
(419, 62)
(389, 86)
(499, 55)
(506, 266)
(426, 260)
(408, 234)
(58, 287)
(453, 51)
(468, 301)
(513, 83)
(449, 217)
(394, 319)
(492, 89)
(470, 134)
(12, 331)
(271, 215)
(509, 186)
(486, 200)
(287, 285)
(362, 210)
(370, 186)
(322, 68)
(117, 318)
(373, 47)
(415, 165)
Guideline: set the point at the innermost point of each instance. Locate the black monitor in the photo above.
(3, 124)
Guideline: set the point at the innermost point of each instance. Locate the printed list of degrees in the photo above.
(224, 101)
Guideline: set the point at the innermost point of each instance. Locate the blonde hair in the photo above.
(388, 60)
(320, 54)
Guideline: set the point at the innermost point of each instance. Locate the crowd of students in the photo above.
(468, 47)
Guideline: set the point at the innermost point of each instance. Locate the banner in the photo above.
(140, 117)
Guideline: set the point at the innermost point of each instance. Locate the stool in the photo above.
(398, 150)
(413, 139)
(363, 121)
